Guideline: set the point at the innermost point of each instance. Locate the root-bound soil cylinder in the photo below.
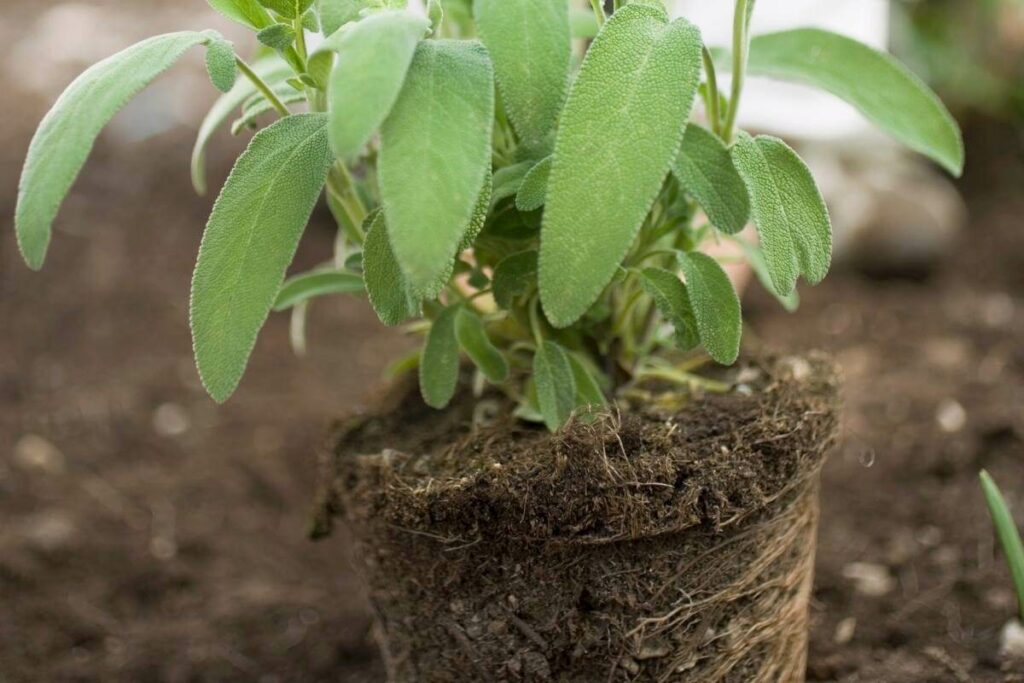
(646, 545)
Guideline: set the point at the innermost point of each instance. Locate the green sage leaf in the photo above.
(472, 336)
(66, 135)
(220, 64)
(246, 12)
(513, 277)
(277, 36)
(755, 257)
(336, 13)
(673, 301)
(289, 9)
(705, 170)
(314, 284)
(508, 180)
(556, 384)
(529, 41)
(480, 212)
(439, 365)
(272, 70)
(261, 106)
(249, 242)
(367, 80)
(434, 155)
(716, 307)
(535, 187)
(884, 90)
(390, 294)
(588, 390)
(620, 132)
(788, 210)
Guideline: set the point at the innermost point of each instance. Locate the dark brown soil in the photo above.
(131, 552)
(575, 556)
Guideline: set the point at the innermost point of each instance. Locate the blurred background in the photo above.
(148, 535)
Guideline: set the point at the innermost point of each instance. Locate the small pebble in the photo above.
(48, 531)
(872, 580)
(1011, 641)
(170, 419)
(845, 630)
(951, 416)
(34, 453)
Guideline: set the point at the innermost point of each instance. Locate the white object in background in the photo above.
(784, 108)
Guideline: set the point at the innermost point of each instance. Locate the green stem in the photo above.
(714, 114)
(740, 48)
(300, 39)
(598, 11)
(262, 86)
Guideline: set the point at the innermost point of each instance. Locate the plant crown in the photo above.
(523, 183)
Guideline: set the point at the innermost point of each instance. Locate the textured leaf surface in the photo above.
(366, 79)
(277, 36)
(250, 241)
(619, 134)
(259, 107)
(556, 385)
(755, 257)
(588, 391)
(535, 187)
(673, 301)
(220, 64)
(306, 286)
(508, 180)
(716, 307)
(336, 13)
(480, 212)
(271, 70)
(390, 293)
(246, 12)
(513, 277)
(435, 151)
(68, 132)
(529, 41)
(705, 170)
(788, 210)
(472, 336)
(884, 90)
(288, 9)
(439, 365)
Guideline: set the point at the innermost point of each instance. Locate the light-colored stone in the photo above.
(1011, 641)
(951, 416)
(872, 580)
(37, 454)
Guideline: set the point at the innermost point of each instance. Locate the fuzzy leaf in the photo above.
(311, 285)
(289, 9)
(67, 133)
(619, 134)
(705, 170)
(272, 70)
(508, 180)
(249, 242)
(480, 212)
(535, 187)
(583, 23)
(755, 257)
(673, 301)
(439, 365)
(220, 64)
(530, 44)
(472, 336)
(390, 293)
(435, 151)
(884, 90)
(556, 385)
(716, 307)
(366, 80)
(246, 12)
(261, 106)
(788, 210)
(588, 390)
(513, 277)
(336, 13)
(277, 36)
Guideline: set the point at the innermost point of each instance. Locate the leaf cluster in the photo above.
(532, 187)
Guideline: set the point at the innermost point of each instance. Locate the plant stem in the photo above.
(714, 114)
(262, 86)
(300, 39)
(740, 48)
(598, 11)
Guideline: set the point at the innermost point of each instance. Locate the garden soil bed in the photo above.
(146, 535)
